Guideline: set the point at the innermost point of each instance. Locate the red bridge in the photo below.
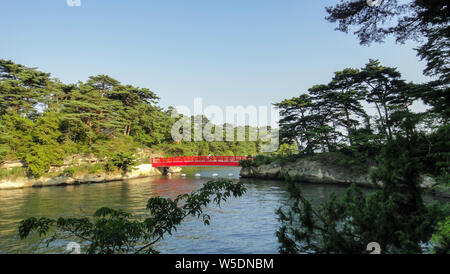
(198, 161)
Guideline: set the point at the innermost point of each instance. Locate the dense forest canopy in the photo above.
(43, 120)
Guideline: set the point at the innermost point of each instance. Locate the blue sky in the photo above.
(228, 52)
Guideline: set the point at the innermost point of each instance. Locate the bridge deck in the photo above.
(197, 161)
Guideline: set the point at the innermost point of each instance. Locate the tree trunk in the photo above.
(27, 107)
(383, 123)
(327, 141)
(129, 129)
(334, 135)
(349, 126)
(386, 113)
(299, 146)
(90, 137)
(305, 128)
(103, 94)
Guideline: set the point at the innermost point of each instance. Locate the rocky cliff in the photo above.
(140, 171)
(308, 170)
(143, 170)
(318, 171)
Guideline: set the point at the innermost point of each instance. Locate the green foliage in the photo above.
(4, 152)
(215, 148)
(40, 157)
(46, 129)
(43, 120)
(112, 231)
(94, 169)
(287, 149)
(108, 147)
(318, 120)
(83, 170)
(261, 159)
(437, 146)
(37, 143)
(109, 166)
(347, 225)
(246, 163)
(395, 216)
(69, 172)
(441, 238)
(13, 173)
(424, 21)
(124, 161)
(15, 133)
(410, 20)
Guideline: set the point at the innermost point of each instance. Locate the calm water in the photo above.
(242, 225)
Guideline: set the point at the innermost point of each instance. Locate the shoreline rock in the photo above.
(320, 172)
(311, 171)
(141, 171)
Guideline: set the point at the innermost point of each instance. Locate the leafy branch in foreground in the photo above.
(349, 224)
(116, 231)
(441, 239)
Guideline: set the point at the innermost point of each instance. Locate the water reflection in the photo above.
(244, 225)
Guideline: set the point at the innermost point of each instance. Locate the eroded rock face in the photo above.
(140, 171)
(76, 160)
(308, 171)
(427, 181)
(313, 171)
(175, 169)
(11, 164)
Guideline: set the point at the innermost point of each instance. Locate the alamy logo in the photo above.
(374, 247)
(374, 3)
(73, 3)
(74, 248)
(192, 127)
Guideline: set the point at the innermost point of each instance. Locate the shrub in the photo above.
(109, 166)
(124, 161)
(246, 163)
(68, 172)
(40, 157)
(441, 238)
(108, 147)
(263, 160)
(93, 169)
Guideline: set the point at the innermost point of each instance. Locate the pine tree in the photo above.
(136, 103)
(21, 88)
(384, 86)
(84, 104)
(346, 93)
(296, 122)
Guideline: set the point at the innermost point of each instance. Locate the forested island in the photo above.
(46, 123)
(330, 126)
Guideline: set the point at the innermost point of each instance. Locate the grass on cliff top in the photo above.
(88, 169)
(14, 173)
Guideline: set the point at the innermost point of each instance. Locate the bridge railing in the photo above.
(190, 159)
